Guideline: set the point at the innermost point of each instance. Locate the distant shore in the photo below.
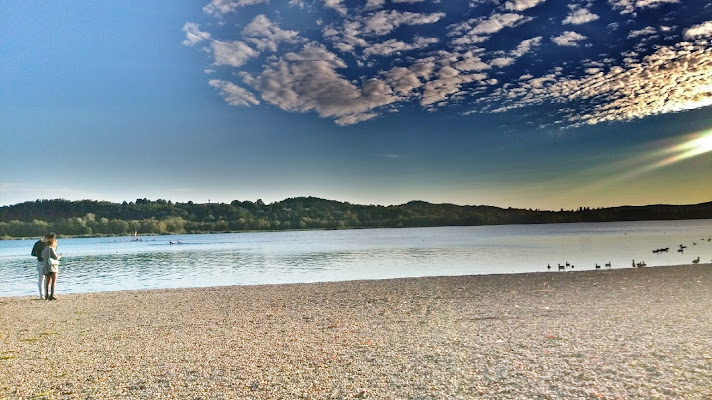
(622, 333)
(93, 218)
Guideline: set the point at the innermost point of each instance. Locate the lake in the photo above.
(120, 263)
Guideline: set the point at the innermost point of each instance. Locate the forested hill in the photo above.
(88, 217)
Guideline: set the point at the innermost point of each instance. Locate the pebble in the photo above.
(484, 337)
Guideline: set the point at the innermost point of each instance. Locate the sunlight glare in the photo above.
(685, 147)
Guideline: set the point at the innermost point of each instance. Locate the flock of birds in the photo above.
(640, 264)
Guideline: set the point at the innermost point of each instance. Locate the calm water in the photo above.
(107, 264)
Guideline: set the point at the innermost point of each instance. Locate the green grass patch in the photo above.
(39, 336)
(42, 396)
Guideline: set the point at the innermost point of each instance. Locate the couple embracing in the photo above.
(45, 250)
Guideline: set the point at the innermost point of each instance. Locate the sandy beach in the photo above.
(611, 334)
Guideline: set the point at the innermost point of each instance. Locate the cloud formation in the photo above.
(218, 8)
(355, 62)
(579, 16)
(672, 79)
(703, 30)
(384, 22)
(568, 38)
(234, 54)
(309, 81)
(233, 94)
(521, 5)
(631, 6)
(267, 35)
(193, 34)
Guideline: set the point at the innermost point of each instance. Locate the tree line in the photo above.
(147, 217)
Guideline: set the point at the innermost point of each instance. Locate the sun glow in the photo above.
(696, 145)
(702, 144)
(661, 155)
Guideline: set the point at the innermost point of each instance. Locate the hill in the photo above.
(98, 218)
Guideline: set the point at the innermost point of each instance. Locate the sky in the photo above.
(542, 104)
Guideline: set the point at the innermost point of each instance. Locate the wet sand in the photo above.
(608, 334)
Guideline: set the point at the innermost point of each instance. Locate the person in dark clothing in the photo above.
(37, 252)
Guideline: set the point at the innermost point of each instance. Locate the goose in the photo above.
(641, 264)
(608, 264)
(561, 267)
(548, 266)
(696, 261)
(598, 266)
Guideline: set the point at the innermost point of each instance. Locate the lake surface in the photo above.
(118, 263)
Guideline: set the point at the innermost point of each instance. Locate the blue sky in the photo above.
(520, 103)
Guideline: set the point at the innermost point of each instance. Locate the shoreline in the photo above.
(619, 333)
(553, 270)
(128, 234)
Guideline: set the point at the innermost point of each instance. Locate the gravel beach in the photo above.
(641, 333)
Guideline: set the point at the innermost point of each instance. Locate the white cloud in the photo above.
(402, 80)
(579, 16)
(653, 3)
(702, 30)
(355, 118)
(568, 38)
(392, 46)
(336, 5)
(521, 5)
(448, 83)
(471, 62)
(346, 40)
(479, 30)
(193, 34)
(378, 55)
(423, 68)
(496, 23)
(630, 6)
(267, 35)
(350, 36)
(672, 79)
(502, 62)
(648, 30)
(383, 22)
(218, 8)
(233, 94)
(307, 81)
(234, 53)
(374, 4)
(526, 46)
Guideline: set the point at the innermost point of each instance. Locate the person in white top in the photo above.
(37, 252)
(51, 267)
